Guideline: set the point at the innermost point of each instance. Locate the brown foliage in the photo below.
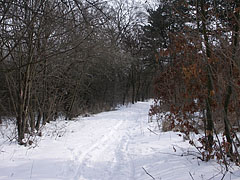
(182, 87)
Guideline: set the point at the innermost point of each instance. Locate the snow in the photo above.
(114, 145)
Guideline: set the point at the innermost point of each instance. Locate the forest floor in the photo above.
(114, 145)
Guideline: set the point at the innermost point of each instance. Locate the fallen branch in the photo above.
(191, 176)
(152, 131)
(224, 174)
(148, 173)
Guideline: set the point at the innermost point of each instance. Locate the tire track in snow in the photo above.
(123, 161)
(106, 155)
(100, 145)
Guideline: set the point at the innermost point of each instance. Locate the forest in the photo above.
(68, 58)
(197, 84)
(71, 57)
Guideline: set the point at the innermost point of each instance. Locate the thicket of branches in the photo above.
(198, 83)
(68, 57)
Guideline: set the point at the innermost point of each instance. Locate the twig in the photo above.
(221, 151)
(213, 177)
(224, 175)
(148, 173)
(152, 131)
(191, 175)
(31, 170)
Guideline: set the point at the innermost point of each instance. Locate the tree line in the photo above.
(69, 57)
(197, 86)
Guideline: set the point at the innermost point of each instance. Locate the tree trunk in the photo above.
(209, 123)
(39, 118)
(32, 120)
(229, 89)
(125, 93)
(133, 85)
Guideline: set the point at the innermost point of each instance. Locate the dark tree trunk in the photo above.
(209, 123)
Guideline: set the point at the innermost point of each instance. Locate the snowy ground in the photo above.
(115, 145)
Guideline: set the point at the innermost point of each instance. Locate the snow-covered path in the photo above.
(114, 145)
(104, 149)
(96, 147)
